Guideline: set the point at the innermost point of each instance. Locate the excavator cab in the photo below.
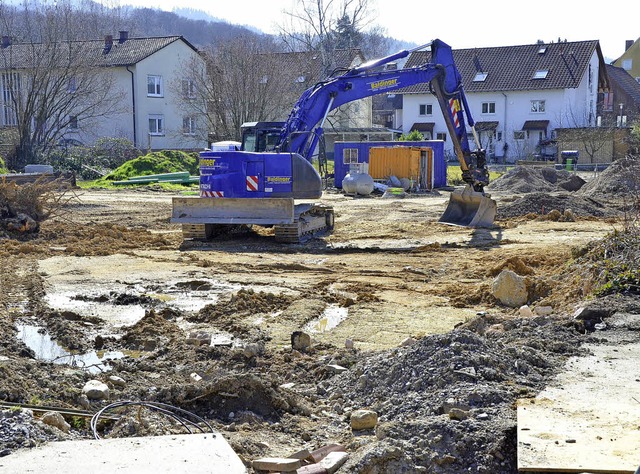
(261, 136)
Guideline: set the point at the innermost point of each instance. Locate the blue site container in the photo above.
(361, 152)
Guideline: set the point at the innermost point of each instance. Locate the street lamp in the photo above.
(620, 119)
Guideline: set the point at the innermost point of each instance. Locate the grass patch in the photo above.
(454, 175)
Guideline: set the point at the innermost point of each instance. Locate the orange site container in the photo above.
(411, 162)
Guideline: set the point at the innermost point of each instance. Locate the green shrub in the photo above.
(3, 167)
(157, 162)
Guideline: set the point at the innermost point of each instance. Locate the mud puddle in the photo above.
(46, 349)
(331, 317)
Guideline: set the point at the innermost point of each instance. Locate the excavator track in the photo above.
(309, 220)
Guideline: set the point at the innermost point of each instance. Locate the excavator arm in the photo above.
(304, 125)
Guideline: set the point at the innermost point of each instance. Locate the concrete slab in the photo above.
(192, 453)
(587, 420)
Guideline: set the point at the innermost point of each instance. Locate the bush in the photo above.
(96, 161)
(158, 162)
(3, 167)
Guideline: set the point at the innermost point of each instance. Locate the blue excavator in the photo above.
(260, 183)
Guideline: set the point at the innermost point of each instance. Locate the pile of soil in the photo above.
(620, 179)
(540, 204)
(530, 179)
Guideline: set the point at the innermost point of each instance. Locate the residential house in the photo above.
(630, 59)
(621, 106)
(518, 95)
(146, 89)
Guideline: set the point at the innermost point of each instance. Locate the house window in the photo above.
(480, 77)
(154, 86)
(426, 109)
(188, 89)
(441, 136)
(627, 64)
(540, 74)
(537, 106)
(488, 107)
(73, 122)
(607, 101)
(156, 125)
(499, 136)
(189, 125)
(519, 135)
(350, 156)
(10, 85)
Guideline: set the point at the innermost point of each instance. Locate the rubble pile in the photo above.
(446, 401)
(620, 179)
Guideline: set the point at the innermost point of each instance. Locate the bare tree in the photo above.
(50, 81)
(325, 25)
(240, 80)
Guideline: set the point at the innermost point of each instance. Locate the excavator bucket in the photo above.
(469, 208)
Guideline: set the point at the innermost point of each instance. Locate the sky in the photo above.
(460, 24)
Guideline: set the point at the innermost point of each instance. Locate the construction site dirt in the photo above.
(400, 310)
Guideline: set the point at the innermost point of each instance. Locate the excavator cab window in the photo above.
(261, 136)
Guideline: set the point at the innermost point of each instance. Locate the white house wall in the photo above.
(167, 63)
(563, 108)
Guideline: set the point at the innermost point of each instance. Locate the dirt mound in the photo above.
(412, 387)
(621, 178)
(243, 303)
(151, 332)
(543, 204)
(524, 179)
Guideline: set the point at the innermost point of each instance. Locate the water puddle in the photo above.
(124, 305)
(45, 348)
(330, 318)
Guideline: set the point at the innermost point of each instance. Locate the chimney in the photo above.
(6, 41)
(108, 43)
(627, 44)
(124, 36)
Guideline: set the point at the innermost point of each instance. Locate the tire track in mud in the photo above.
(21, 287)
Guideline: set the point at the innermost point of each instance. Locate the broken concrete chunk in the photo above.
(55, 419)
(525, 311)
(409, 341)
(320, 453)
(543, 310)
(333, 461)
(117, 381)
(336, 369)
(510, 288)
(312, 469)
(276, 464)
(363, 420)
(96, 390)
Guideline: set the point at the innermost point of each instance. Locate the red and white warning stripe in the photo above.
(212, 194)
(252, 183)
(454, 105)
